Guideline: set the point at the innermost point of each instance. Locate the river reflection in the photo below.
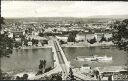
(118, 57)
(26, 60)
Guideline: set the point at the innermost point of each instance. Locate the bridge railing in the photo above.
(64, 57)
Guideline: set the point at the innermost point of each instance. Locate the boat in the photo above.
(94, 58)
(105, 47)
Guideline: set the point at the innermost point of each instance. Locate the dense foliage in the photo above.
(6, 45)
(34, 41)
(120, 34)
(71, 37)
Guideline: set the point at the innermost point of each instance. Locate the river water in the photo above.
(26, 60)
(118, 57)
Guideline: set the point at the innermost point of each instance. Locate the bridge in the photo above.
(61, 64)
(65, 65)
(62, 60)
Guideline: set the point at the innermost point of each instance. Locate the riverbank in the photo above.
(86, 44)
(33, 47)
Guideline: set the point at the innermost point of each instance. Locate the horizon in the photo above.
(95, 16)
(75, 9)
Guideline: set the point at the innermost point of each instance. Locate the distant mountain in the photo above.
(110, 16)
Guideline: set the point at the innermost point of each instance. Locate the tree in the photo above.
(48, 69)
(6, 45)
(41, 34)
(103, 39)
(55, 30)
(120, 34)
(56, 76)
(34, 41)
(71, 37)
(92, 41)
(25, 42)
(1, 22)
(42, 66)
(62, 42)
(17, 44)
(71, 74)
(45, 41)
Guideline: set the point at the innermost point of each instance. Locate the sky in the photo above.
(62, 8)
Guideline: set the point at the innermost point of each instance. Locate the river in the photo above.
(26, 60)
(119, 57)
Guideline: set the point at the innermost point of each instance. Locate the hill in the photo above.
(110, 16)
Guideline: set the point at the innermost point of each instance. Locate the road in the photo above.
(61, 61)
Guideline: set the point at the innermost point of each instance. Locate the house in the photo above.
(29, 43)
(85, 69)
(10, 35)
(108, 35)
(18, 39)
(80, 37)
(63, 38)
(89, 36)
(17, 33)
(39, 44)
(37, 37)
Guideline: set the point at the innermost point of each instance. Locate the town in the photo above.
(64, 40)
(37, 33)
(57, 35)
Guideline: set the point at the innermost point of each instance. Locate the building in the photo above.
(18, 39)
(80, 37)
(29, 43)
(10, 35)
(39, 44)
(117, 72)
(89, 36)
(107, 35)
(17, 33)
(85, 69)
(63, 38)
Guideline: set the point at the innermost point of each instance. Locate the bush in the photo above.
(48, 69)
(92, 41)
(62, 42)
(71, 37)
(103, 39)
(56, 76)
